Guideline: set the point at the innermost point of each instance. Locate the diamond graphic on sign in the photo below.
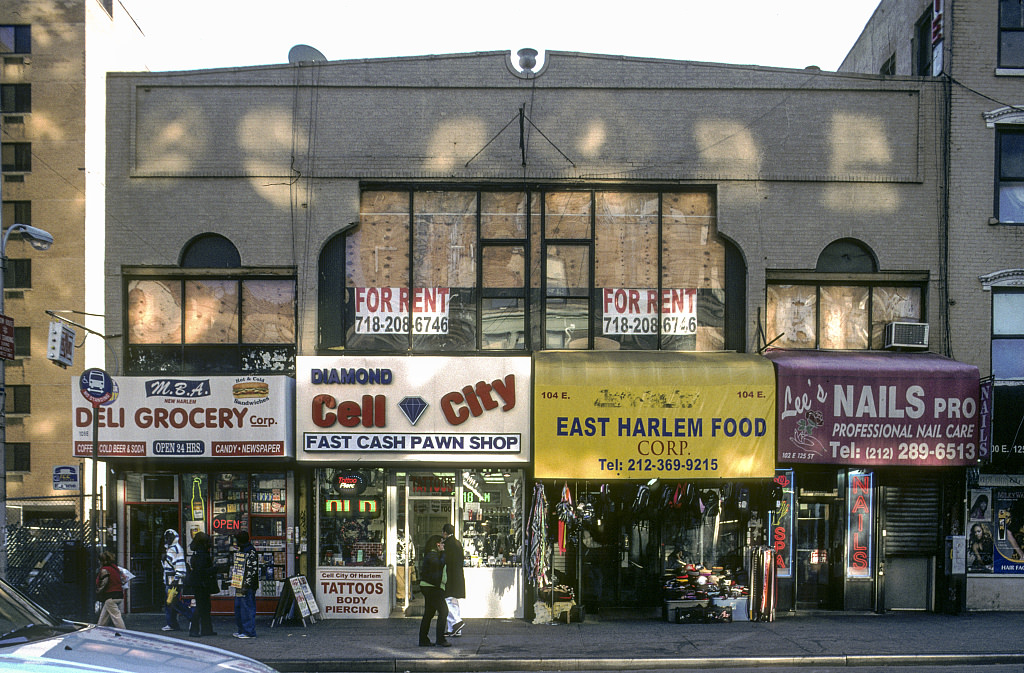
(413, 408)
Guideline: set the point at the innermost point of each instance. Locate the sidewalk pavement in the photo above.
(814, 639)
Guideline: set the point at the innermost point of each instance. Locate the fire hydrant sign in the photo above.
(354, 592)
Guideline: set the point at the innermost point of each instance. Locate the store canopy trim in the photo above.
(876, 408)
(605, 415)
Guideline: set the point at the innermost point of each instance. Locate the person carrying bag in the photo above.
(109, 591)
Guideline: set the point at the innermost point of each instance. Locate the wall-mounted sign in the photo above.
(860, 516)
(604, 415)
(65, 478)
(875, 408)
(413, 408)
(782, 525)
(60, 348)
(231, 417)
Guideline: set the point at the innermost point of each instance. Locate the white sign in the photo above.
(636, 311)
(189, 417)
(61, 346)
(386, 310)
(354, 592)
(65, 478)
(413, 408)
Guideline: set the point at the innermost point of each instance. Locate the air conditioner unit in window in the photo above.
(906, 335)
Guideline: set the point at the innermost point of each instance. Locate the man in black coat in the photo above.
(456, 586)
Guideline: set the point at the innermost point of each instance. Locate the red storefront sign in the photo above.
(876, 408)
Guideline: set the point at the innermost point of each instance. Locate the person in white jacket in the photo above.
(173, 562)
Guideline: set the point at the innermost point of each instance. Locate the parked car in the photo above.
(31, 639)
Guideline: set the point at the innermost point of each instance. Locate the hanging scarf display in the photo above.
(537, 571)
(566, 516)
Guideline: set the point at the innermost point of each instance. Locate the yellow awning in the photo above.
(605, 415)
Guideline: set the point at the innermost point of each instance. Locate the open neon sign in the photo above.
(362, 508)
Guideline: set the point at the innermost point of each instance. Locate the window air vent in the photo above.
(14, 178)
(906, 335)
(14, 119)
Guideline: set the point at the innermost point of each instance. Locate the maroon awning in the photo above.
(875, 408)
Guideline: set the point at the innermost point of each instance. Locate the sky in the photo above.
(227, 33)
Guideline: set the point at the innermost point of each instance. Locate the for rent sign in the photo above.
(188, 417)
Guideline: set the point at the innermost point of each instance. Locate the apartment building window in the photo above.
(889, 67)
(923, 44)
(15, 98)
(206, 322)
(22, 341)
(18, 456)
(844, 304)
(1007, 333)
(18, 273)
(18, 399)
(15, 39)
(17, 157)
(1011, 34)
(1010, 182)
(19, 212)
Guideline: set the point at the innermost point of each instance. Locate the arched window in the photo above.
(844, 304)
(330, 291)
(846, 255)
(210, 251)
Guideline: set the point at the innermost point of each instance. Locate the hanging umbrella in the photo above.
(538, 546)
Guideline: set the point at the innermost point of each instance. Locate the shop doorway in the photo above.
(428, 504)
(818, 556)
(146, 526)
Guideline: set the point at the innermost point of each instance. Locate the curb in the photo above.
(476, 665)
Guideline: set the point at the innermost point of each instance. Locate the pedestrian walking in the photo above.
(456, 584)
(433, 576)
(202, 582)
(245, 578)
(109, 591)
(173, 562)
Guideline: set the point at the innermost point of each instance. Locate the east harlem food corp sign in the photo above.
(413, 408)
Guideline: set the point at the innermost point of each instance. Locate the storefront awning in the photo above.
(607, 415)
(876, 408)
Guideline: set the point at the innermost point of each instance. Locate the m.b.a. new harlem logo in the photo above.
(370, 411)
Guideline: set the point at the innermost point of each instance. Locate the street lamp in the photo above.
(40, 240)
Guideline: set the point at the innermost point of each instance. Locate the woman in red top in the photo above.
(109, 591)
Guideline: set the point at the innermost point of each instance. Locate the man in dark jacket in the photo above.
(456, 585)
(245, 578)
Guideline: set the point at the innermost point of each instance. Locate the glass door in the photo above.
(428, 504)
(146, 526)
(812, 555)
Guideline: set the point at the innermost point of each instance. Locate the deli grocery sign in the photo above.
(874, 408)
(188, 417)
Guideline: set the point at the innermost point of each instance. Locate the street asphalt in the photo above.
(967, 641)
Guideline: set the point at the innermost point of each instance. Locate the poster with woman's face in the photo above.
(981, 505)
(979, 548)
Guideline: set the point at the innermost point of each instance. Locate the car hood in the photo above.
(125, 650)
